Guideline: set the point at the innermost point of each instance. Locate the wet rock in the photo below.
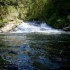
(12, 67)
(4, 65)
(66, 28)
(13, 52)
(1, 51)
(1, 31)
(38, 65)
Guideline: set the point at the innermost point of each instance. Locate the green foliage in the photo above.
(9, 10)
(50, 11)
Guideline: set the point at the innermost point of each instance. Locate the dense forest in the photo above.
(54, 12)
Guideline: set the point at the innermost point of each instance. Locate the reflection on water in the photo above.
(33, 51)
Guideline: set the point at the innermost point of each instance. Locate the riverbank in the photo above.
(10, 25)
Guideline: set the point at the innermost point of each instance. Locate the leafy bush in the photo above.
(49, 11)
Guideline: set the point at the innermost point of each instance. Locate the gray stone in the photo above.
(66, 28)
(1, 31)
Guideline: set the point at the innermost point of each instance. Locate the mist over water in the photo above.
(27, 27)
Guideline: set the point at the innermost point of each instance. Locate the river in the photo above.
(37, 48)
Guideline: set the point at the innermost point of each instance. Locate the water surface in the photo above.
(35, 51)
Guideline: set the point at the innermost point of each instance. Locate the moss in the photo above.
(49, 11)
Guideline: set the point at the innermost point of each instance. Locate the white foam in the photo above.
(27, 27)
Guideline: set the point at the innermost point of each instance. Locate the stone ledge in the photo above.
(10, 26)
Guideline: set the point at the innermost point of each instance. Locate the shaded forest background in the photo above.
(54, 12)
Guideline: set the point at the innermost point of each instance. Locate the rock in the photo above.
(12, 67)
(20, 21)
(1, 31)
(8, 27)
(66, 28)
(13, 52)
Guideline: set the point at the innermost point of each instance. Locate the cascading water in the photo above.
(34, 46)
(34, 26)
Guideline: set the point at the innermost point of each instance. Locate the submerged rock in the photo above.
(13, 52)
(12, 67)
(4, 65)
(1, 31)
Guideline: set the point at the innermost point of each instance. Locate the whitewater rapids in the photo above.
(41, 27)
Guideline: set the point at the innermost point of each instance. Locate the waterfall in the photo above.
(27, 27)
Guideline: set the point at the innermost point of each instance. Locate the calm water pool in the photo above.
(35, 51)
